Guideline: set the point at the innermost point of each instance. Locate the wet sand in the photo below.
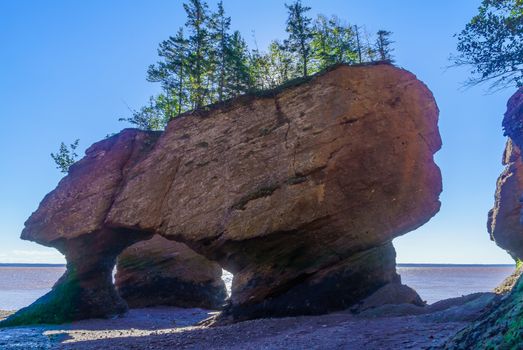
(175, 328)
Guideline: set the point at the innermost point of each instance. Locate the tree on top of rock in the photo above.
(383, 45)
(300, 33)
(333, 42)
(171, 72)
(492, 43)
(66, 156)
(220, 26)
(236, 67)
(199, 43)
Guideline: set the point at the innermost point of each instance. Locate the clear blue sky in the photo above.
(68, 69)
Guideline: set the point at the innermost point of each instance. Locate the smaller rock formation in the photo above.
(163, 272)
(390, 294)
(504, 223)
(513, 119)
(502, 327)
(71, 219)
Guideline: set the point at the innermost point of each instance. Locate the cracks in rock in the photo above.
(172, 178)
(121, 182)
(282, 119)
(348, 121)
(263, 191)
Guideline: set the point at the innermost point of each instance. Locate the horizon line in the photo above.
(397, 264)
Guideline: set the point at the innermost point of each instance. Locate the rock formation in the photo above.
(502, 327)
(72, 219)
(504, 223)
(298, 192)
(162, 272)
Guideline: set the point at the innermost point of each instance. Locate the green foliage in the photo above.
(237, 77)
(155, 115)
(383, 45)
(300, 33)
(172, 71)
(219, 30)
(200, 56)
(492, 44)
(333, 42)
(66, 156)
(206, 63)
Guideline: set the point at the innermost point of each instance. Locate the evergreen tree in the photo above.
(210, 64)
(383, 45)
(220, 26)
(300, 33)
(199, 45)
(172, 72)
(359, 46)
(237, 78)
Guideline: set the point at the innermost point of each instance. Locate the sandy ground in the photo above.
(406, 327)
(170, 328)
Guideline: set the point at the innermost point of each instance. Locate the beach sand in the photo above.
(175, 328)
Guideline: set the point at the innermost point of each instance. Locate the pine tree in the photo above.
(172, 72)
(300, 33)
(237, 71)
(359, 47)
(220, 26)
(199, 45)
(383, 45)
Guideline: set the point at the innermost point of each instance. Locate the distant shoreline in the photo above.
(454, 265)
(398, 265)
(30, 265)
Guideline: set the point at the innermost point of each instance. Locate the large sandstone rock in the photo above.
(162, 272)
(504, 223)
(298, 192)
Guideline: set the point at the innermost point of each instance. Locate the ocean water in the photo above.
(21, 285)
(437, 282)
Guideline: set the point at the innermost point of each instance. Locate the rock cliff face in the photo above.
(504, 219)
(298, 192)
(502, 328)
(162, 272)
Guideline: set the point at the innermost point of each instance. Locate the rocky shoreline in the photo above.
(391, 326)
